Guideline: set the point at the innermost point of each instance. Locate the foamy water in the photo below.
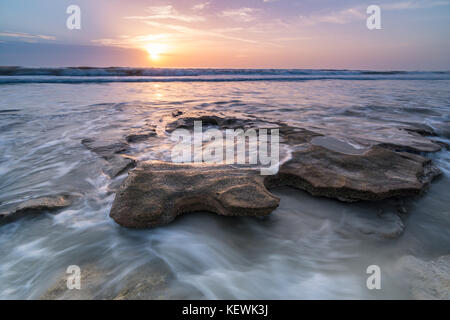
(308, 248)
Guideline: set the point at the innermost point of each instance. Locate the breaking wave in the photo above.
(116, 74)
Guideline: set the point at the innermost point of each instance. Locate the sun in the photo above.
(155, 50)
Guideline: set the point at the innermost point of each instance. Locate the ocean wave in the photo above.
(196, 72)
(217, 78)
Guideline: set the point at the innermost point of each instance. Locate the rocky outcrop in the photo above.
(384, 225)
(36, 206)
(288, 134)
(411, 138)
(140, 135)
(118, 164)
(374, 175)
(427, 280)
(105, 148)
(110, 151)
(156, 192)
(150, 281)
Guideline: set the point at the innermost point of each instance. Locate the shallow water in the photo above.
(308, 248)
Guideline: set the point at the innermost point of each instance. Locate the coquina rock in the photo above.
(110, 151)
(376, 174)
(156, 192)
(428, 280)
(36, 206)
(411, 138)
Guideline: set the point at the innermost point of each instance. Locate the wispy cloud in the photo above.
(201, 6)
(23, 35)
(134, 41)
(216, 33)
(339, 17)
(241, 14)
(418, 4)
(359, 12)
(166, 13)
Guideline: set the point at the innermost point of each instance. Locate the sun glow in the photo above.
(155, 50)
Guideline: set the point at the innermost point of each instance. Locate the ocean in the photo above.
(308, 248)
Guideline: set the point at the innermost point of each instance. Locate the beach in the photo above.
(55, 124)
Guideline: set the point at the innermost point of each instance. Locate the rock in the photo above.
(217, 121)
(36, 206)
(91, 282)
(337, 145)
(140, 135)
(177, 113)
(149, 281)
(375, 175)
(386, 225)
(399, 139)
(289, 134)
(427, 280)
(110, 151)
(118, 164)
(105, 148)
(294, 135)
(420, 128)
(155, 193)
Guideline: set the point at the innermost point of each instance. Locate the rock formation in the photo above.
(156, 192)
(36, 206)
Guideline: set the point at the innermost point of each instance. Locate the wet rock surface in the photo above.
(156, 192)
(37, 206)
(151, 281)
(386, 225)
(140, 135)
(375, 175)
(118, 164)
(105, 148)
(289, 134)
(428, 280)
(110, 151)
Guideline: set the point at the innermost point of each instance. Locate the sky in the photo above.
(325, 34)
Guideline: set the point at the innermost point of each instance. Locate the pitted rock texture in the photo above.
(376, 174)
(155, 193)
(428, 280)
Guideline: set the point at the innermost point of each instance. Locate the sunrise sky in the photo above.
(227, 34)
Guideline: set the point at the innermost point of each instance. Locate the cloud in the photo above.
(339, 17)
(418, 4)
(172, 34)
(216, 33)
(201, 6)
(23, 35)
(359, 13)
(241, 14)
(133, 41)
(165, 13)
